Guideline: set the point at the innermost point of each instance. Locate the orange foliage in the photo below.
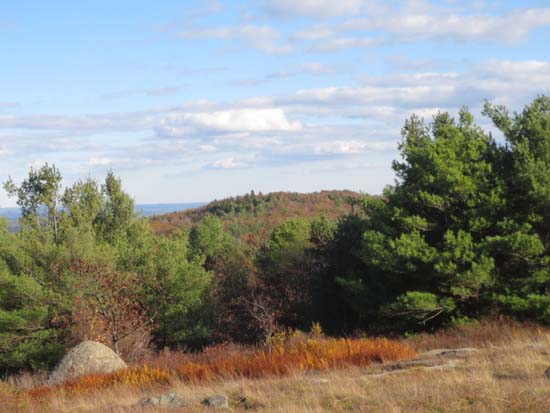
(251, 218)
(285, 358)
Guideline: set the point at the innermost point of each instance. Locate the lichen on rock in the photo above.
(89, 357)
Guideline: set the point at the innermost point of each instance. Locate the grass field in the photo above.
(506, 375)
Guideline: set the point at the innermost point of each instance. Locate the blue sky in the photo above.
(196, 100)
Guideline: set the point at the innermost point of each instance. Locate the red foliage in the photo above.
(291, 356)
(252, 217)
(108, 309)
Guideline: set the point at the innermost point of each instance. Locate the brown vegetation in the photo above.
(253, 217)
(108, 309)
(285, 358)
(507, 375)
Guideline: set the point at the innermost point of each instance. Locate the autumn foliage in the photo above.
(284, 358)
(252, 217)
(108, 308)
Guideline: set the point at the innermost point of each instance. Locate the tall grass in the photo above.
(506, 375)
(482, 333)
(291, 356)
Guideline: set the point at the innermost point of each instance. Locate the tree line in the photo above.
(463, 232)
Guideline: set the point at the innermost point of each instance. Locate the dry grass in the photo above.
(506, 376)
(292, 355)
(488, 332)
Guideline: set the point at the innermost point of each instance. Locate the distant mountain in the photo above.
(13, 214)
(160, 209)
(252, 217)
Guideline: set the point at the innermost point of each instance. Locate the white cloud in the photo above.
(532, 71)
(386, 96)
(100, 161)
(352, 147)
(263, 38)
(207, 148)
(405, 96)
(4, 150)
(339, 43)
(416, 21)
(117, 160)
(126, 121)
(338, 147)
(511, 27)
(329, 123)
(226, 121)
(227, 163)
(314, 8)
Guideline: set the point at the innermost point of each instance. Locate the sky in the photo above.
(198, 100)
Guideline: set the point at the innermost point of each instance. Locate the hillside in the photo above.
(505, 372)
(251, 217)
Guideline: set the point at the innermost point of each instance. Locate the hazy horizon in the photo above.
(147, 210)
(188, 100)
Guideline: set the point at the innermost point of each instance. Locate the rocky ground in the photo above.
(508, 374)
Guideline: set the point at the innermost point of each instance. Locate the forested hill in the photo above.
(252, 217)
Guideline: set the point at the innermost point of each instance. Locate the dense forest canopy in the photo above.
(463, 232)
(252, 217)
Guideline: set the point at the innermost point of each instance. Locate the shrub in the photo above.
(291, 356)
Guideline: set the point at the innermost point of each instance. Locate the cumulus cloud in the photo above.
(352, 147)
(228, 163)
(360, 24)
(114, 160)
(330, 123)
(384, 96)
(417, 21)
(227, 121)
(405, 95)
(533, 71)
(337, 147)
(103, 161)
(511, 27)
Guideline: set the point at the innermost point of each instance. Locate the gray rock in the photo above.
(246, 403)
(171, 400)
(423, 364)
(149, 401)
(451, 352)
(318, 380)
(450, 365)
(409, 364)
(219, 401)
(89, 357)
(537, 347)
